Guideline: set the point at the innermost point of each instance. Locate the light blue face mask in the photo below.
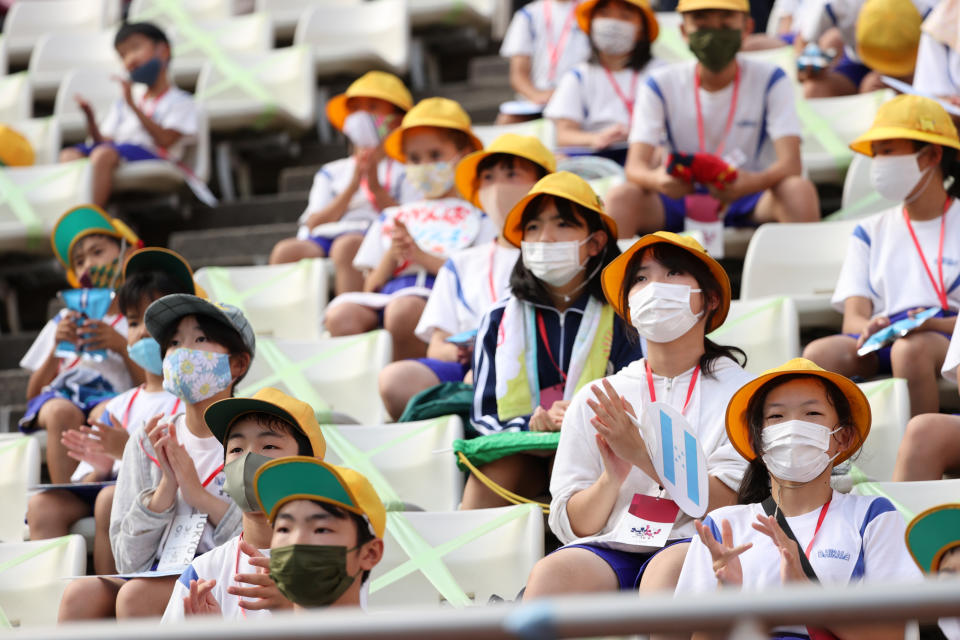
(146, 353)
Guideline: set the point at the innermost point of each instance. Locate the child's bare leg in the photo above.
(400, 318)
(103, 161)
(50, 514)
(89, 599)
(56, 416)
(103, 562)
(400, 381)
(70, 154)
(294, 250)
(349, 319)
(342, 252)
(144, 597)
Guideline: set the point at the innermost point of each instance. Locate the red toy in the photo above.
(704, 168)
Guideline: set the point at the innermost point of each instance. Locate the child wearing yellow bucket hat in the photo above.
(937, 72)
(555, 333)
(666, 287)
(905, 258)
(888, 37)
(472, 279)
(794, 423)
(348, 194)
(933, 538)
(320, 566)
(733, 116)
(232, 580)
(405, 247)
(592, 106)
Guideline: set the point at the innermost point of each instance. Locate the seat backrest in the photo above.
(494, 552)
(33, 578)
(152, 10)
(16, 98)
(543, 129)
(284, 301)
(407, 455)
(238, 34)
(27, 21)
(96, 86)
(56, 54)
(890, 406)
(857, 189)
(43, 134)
(849, 116)
(766, 329)
(911, 498)
(284, 14)
(795, 259)
(19, 470)
(335, 374)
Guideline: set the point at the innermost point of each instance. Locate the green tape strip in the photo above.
(4, 622)
(16, 444)
(56, 543)
(412, 433)
(15, 196)
(868, 487)
(222, 289)
(859, 209)
(727, 326)
(817, 126)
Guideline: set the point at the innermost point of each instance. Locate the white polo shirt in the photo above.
(938, 68)
(528, 35)
(174, 109)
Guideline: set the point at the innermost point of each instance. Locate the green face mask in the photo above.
(238, 480)
(311, 575)
(715, 48)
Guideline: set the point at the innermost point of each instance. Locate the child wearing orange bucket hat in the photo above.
(794, 424)
(348, 194)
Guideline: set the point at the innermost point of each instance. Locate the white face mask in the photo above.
(894, 177)
(613, 37)
(556, 263)
(796, 450)
(499, 198)
(366, 130)
(661, 312)
(432, 179)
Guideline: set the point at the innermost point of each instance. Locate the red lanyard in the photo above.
(941, 290)
(153, 103)
(628, 102)
(493, 289)
(211, 476)
(546, 345)
(556, 49)
(126, 413)
(823, 514)
(653, 393)
(365, 185)
(733, 109)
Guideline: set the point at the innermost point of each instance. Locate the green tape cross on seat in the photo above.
(817, 126)
(727, 326)
(15, 196)
(222, 289)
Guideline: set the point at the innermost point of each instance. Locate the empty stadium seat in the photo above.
(331, 374)
(472, 554)
(284, 301)
(32, 199)
(766, 329)
(58, 53)
(354, 38)
(196, 42)
(911, 498)
(19, 470)
(801, 261)
(16, 97)
(890, 406)
(33, 577)
(43, 135)
(412, 456)
(27, 21)
(284, 14)
(97, 86)
(200, 10)
(669, 45)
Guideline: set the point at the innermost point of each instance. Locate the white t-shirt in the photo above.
(586, 95)
(860, 540)
(174, 109)
(466, 287)
(666, 113)
(220, 564)
(131, 410)
(821, 15)
(882, 263)
(113, 368)
(938, 68)
(578, 463)
(473, 222)
(333, 179)
(528, 35)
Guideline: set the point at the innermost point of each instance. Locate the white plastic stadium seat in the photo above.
(27, 21)
(913, 497)
(859, 197)
(284, 14)
(268, 90)
(331, 374)
(285, 301)
(354, 38)
(489, 559)
(4, 58)
(33, 580)
(163, 176)
(798, 260)
(57, 54)
(16, 97)
(766, 329)
(783, 57)
(43, 134)
(19, 469)
(96, 86)
(669, 45)
(413, 458)
(239, 35)
(543, 129)
(32, 199)
(154, 11)
(890, 406)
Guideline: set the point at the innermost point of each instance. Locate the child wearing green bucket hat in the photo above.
(65, 387)
(933, 538)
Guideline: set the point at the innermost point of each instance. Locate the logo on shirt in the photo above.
(645, 533)
(748, 123)
(836, 554)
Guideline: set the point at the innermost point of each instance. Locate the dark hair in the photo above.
(147, 286)
(755, 486)
(146, 29)
(675, 258)
(277, 425)
(364, 535)
(949, 166)
(641, 54)
(528, 287)
(460, 139)
(508, 161)
(216, 332)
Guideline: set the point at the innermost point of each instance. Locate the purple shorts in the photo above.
(737, 215)
(884, 365)
(628, 566)
(445, 371)
(855, 72)
(326, 242)
(129, 152)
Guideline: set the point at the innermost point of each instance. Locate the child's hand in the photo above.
(66, 328)
(201, 602)
(82, 447)
(558, 410)
(872, 327)
(84, 105)
(616, 467)
(541, 421)
(609, 135)
(726, 557)
(464, 355)
(264, 593)
(183, 469)
(404, 244)
(112, 440)
(96, 334)
(157, 434)
(670, 186)
(126, 88)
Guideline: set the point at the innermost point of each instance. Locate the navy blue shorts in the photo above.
(129, 152)
(628, 566)
(445, 371)
(855, 72)
(326, 242)
(737, 215)
(884, 365)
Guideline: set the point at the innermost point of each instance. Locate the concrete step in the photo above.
(13, 346)
(13, 386)
(239, 246)
(258, 210)
(489, 71)
(298, 179)
(482, 103)
(9, 417)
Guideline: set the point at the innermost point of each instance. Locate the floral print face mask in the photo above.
(195, 375)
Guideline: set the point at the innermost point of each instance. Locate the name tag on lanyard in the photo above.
(648, 521)
(180, 541)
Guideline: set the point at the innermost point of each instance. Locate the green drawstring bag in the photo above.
(487, 449)
(448, 398)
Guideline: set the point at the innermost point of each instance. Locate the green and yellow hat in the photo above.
(888, 36)
(373, 84)
(221, 415)
(738, 428)
(912, 118)
(562, 184)
(526, 147)
(82, 221)
(614, 273)
(165, 260)
(932, 534)
(300, 478)
(442, 113)
(584, 13)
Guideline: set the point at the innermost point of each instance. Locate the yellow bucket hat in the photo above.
(15, 150)
(739, 431)
(910, 117)
(584, 13)
(888, 36)
(561, 184)
(82, 221)
(614, 273)
(373, 84)
(430, 112)
(526, 147)
(730, 5)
